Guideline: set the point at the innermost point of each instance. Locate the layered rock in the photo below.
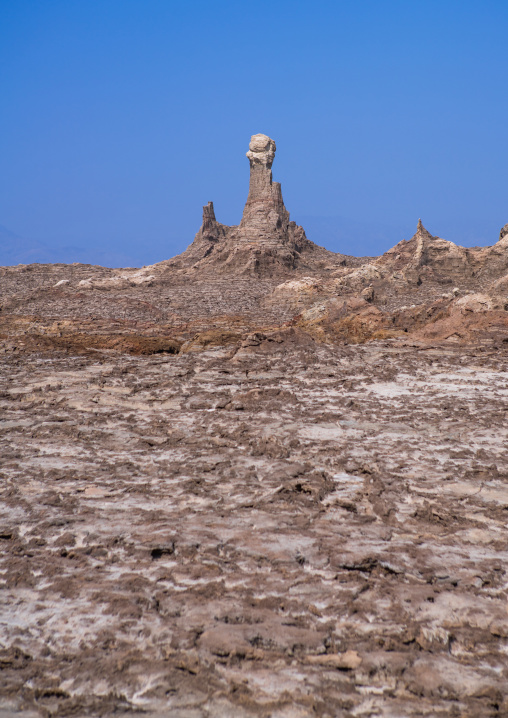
(210, 235)
(266, 242)
(265, 219)
(427, 258)
(265, 272)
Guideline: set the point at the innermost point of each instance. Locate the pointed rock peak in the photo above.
(421, 231)
(210, 234)
(504, 232)
(208, 216)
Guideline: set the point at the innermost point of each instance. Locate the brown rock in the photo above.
(347, 661)
(266, 242)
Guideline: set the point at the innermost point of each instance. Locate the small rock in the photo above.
(368, 294)
(347, 661)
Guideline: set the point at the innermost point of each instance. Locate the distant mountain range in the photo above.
(18, 250)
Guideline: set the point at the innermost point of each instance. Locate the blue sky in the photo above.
(119, 119)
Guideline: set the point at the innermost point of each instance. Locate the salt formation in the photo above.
(266, 241)
(265, 219)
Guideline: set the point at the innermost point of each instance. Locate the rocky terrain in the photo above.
(257, 479)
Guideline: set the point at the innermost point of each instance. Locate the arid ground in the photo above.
(257, 480)
(275, 527)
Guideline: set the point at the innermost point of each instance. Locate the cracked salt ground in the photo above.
(180, 536)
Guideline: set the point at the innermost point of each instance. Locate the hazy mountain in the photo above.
(19, 250)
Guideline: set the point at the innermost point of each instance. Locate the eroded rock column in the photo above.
(265, 219)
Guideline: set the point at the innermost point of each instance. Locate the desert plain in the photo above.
(257, 479)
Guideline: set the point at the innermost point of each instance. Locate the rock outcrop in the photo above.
(427, 258)
(264, 273)
(211, 236)
(266, 242)
(265, 219)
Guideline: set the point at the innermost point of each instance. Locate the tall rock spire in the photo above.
(265, 219)
(265, 242)
(261, 155)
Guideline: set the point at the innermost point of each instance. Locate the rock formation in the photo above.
(266, 241)
(427, 258)
(265, 273)
(201, 476)
(265, 219)
(211, 235)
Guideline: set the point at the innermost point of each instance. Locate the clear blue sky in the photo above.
(119, 119)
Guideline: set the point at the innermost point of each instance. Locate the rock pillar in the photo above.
(265, 219)
(265, 242)
(209, 228)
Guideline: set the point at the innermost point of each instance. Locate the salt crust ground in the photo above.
(273, 530)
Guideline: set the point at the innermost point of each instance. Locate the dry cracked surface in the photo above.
(282, 528)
